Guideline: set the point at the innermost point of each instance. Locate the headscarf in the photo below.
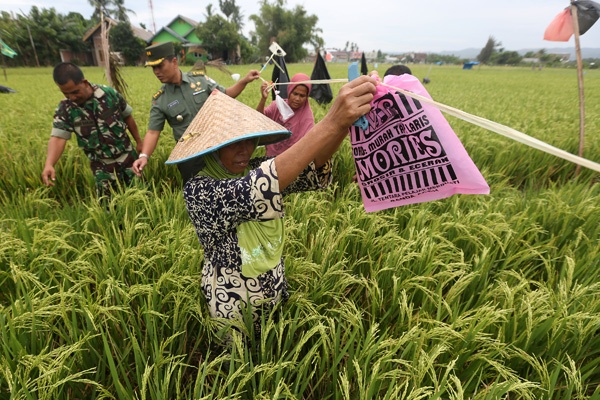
(299, 77)
(260, 242)
(301, 122)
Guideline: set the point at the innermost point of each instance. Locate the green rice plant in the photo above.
(470, 297)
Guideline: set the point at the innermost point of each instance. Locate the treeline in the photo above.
(39, 36)
(494, 54)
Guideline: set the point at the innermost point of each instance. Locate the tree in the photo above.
(124, 41)
(444, 59)
(209, 11)
(103, 7)
(50, 32)
(39, 36)
(292, 29)
(13, 34)
(74, 28)
(228, 7)
(490, 48)
(218, 35)
(232, 12)
(506, 58)
(120, 11)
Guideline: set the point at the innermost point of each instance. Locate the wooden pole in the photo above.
(37, 62)
(3, 65)
(580, 83)
(105, 49)
(4, 68)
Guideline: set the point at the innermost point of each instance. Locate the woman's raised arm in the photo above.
(319, 144)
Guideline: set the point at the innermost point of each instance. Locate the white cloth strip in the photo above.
(503, 130)
(484, 123)
(315, 81)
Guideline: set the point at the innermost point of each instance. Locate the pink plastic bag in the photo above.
(561, 27)
(409, 153)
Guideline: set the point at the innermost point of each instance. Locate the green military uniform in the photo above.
(178, 105)
(101, 131)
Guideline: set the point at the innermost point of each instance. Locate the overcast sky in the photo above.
(387, 25)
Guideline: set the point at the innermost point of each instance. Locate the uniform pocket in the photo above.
(200, 96)
(177, 113)
(176, 108)
(84, 127)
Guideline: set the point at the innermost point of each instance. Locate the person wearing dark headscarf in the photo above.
(397, 70)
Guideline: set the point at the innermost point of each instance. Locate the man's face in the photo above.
(167, 71)
(77, 93)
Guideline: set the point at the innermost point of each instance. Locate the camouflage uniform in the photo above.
(178, 105)
(101, 132)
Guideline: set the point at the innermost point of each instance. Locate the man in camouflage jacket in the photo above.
(99, 116)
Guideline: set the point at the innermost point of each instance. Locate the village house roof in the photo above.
(180, 29)
(137, 31)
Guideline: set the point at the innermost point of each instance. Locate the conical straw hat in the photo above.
(221, 121)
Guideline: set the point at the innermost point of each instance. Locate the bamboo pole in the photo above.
(37, 61)
(4, 67)
(580, 83)
(105, 49)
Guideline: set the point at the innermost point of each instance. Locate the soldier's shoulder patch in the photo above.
(157, 94)
(99, 89)
(196, 73)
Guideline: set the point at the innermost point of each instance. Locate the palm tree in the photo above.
(232, 12)
(103, 7)
(121, 11)
(209, 11)
(100, 8)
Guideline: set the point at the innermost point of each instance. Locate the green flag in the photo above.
(7, 51)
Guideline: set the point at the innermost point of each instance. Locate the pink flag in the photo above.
(409, 153)
(561, 27)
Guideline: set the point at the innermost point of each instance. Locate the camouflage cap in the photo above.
(158, 52)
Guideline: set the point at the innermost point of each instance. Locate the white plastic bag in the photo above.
(284, 109)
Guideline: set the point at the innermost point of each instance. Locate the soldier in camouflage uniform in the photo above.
(99, 116)
(178, 101)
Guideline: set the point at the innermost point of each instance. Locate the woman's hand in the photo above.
(319, 144)
(252, 75)
(353, 101)
(264, 90)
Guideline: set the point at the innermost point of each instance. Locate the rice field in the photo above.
(471, 297)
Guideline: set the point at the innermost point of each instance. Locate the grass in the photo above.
(470, 297)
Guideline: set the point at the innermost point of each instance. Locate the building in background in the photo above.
(182, 32)
(93, 37)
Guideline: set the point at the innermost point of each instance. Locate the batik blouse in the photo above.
(217, 207)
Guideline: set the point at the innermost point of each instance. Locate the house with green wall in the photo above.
(182, 30)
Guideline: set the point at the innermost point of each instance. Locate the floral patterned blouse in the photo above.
(216, 208)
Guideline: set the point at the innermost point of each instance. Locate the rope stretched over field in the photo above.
(315, 81)
(503, 130)
(484, 123)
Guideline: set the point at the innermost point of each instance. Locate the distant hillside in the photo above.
(586, 52)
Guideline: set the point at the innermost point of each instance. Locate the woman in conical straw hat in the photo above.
(236, 203)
